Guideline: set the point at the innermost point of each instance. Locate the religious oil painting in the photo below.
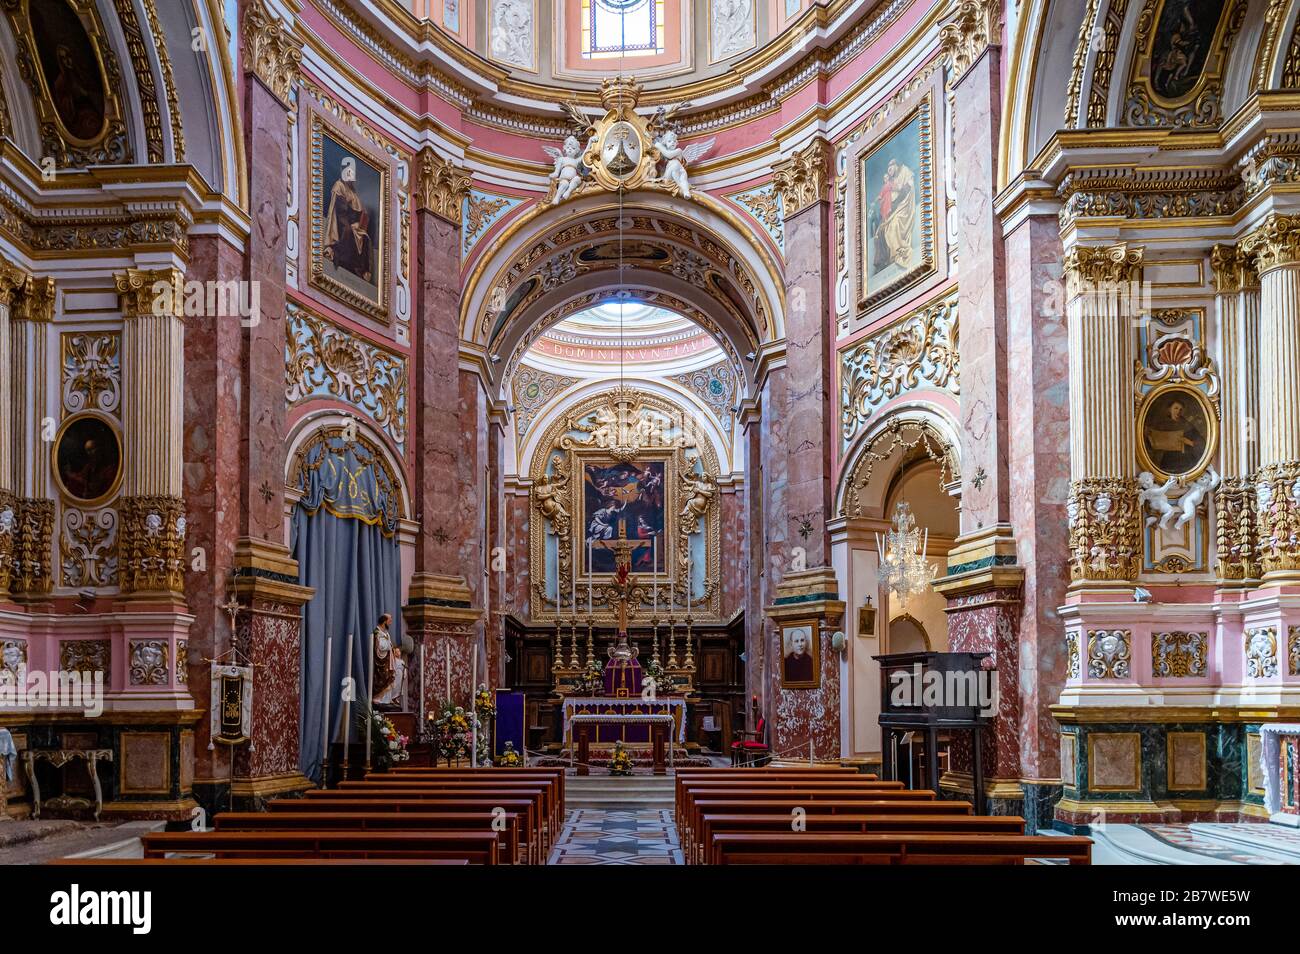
(1176, 431)
(624, 500)
(897, 209)
(88, 459)
(800, 656)
(1184, 35)
(70, 68)
(349, 222)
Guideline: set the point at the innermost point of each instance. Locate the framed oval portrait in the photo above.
(88, 459)
(1178, 429)
(71, 70)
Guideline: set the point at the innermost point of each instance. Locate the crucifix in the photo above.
(622, 548)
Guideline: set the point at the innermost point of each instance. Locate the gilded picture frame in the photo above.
(1182, 51)
(801, 662)
(1177, 432)
(895, 207)
(88, 459)
(351, 241)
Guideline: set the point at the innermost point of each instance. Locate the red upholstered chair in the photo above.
(752, 749)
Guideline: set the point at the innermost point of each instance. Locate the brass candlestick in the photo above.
(672, 643)
(591, 645)
(655, 640)
(690, 645)
(573, 641)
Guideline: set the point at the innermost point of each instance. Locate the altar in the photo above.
(624, 720)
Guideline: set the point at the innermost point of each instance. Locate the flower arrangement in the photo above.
(663, 682)
(387, 745)
(451, 729)
(620, 763)
(510, 758)
(592, 679)
(483, 704)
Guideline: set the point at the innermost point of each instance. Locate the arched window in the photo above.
(622, 27)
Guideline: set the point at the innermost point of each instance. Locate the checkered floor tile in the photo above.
(595, 837)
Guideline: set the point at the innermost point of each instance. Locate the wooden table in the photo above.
(59, 758)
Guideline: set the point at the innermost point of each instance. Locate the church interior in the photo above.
(591, 432)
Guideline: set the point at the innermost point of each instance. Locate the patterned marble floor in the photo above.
(592, 836)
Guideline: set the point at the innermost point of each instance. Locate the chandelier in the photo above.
(903, 566)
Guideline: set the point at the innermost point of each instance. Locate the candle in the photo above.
(370, 695)
(573, 596)
(654, 560)
(590, 567)
(348, 693)
(473, 709)
(447, 647)
(325, 723)
(688, 586)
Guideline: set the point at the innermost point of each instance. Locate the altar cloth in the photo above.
(596, 705)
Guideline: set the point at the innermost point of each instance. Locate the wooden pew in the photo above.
(399, 771)
(492, 777)
(511, 851)
(247, 862)
(476, 847)
(782, 808)
(408, 801)
(549, 804)
(880, 848)
(779, 788)
(715, 824)
(758, 774)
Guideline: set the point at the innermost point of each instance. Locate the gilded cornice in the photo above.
(1090, 267)
(441, 186)
(1233, 270)
(137, 294)
(804, 178)
(975, 26)
(1149, 193)
(1274, 243)
(271, 51)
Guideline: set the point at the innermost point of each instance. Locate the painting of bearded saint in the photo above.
(624, 500)
(1176, 432)
(353, 226)
(1184, 35)
(892, 239)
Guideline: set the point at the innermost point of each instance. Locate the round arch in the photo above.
(696, 252)
(313, 422)
(914, 428)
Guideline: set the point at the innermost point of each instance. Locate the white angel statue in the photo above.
(567, 174)
(677, 157)
(1190, 501)
(1157, 498)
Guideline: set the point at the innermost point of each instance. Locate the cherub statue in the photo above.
(1196, 491)
(1157, 498)
(698, 490)
(567, 174)
(677, 157)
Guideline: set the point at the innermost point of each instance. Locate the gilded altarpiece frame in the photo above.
(624, 427)
(1174, 367)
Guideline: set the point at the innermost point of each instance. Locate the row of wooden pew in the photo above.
(474, 816)
(837, 816)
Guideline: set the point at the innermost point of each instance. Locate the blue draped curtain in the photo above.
(344, 537)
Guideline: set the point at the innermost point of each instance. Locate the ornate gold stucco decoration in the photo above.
(271, 51)
(441, 187)
(1105, 529)
(975, 26)
(803, 179)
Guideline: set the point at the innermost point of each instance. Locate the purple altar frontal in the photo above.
(624, 720)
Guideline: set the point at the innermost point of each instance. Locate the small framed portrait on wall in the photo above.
(800, 655)
(1177, 429)
(88, 459)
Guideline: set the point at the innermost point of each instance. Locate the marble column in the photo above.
(31, 314)
(797, 436)
(1102, 292)
(1237, 306)
(151, 542)
(983, 582)
(212, 478)
(11, 279)
(445, 610)
(264, 576)
(1274, 248)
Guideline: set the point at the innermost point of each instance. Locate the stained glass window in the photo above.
(621, 27)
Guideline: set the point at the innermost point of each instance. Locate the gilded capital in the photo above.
(1275, 243)
(1090, 269)
(157, 291)
(1233, 269)
(803, 179)
(34, 300)
(973, 27)
(271, 51)
(11, 280)
(441, 186)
